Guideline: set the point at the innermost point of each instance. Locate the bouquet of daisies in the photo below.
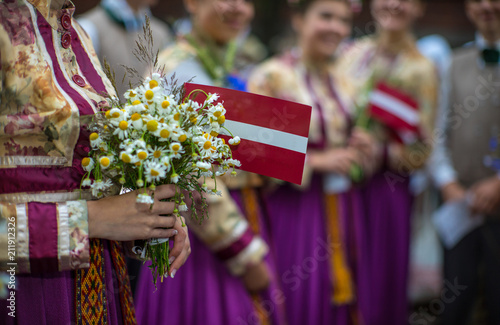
(159, 136)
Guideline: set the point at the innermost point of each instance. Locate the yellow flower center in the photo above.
(153, 84)
(154, 172)
(94, 136)
(123, 125)
(131, 94)
(190, 108)
(138, 163)
(135, 117)
(149, 94)
(107, 114)
(157, 154)
(152, 126)
(115, 115)
(221, 119)
(105, 161)
(177, 116)
(164, 133)
(85, 162)
(136, 102)
(193, 119)
(183, 138)
(214, 134)
(105, 127)
(207, 145)
(165, 104)
(217, 114)
(142, 155)
(176, 147)
(126, 158)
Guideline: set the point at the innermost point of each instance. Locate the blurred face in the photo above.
(485, 14)
(396, 15)
(221, 20)
(323, 26)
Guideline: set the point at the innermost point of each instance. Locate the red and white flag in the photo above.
(397, 110)
(273, 132)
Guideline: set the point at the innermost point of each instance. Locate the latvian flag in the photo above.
(396, 110)
(273, 132)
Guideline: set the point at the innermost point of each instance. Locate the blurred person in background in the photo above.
(114, 26)
(472, 124)
(231, 278)
(306, 221)
(376, 71)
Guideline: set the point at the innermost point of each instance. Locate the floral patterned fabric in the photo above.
(50, 84)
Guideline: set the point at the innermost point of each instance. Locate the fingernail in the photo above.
(171, 260)
(175, 232)
(172, 274)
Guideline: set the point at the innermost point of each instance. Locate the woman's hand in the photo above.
(121, 218)
(256, 278)
(486, 196)
(337, 160)
(182, 246)
(369, 148)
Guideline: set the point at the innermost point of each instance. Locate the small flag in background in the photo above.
(397, 110)
(274, 132)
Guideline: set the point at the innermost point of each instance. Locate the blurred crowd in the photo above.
(397, 220)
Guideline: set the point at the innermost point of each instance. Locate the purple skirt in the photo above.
(298, 230)
(383, 252)
(204, 292)
(49, 298)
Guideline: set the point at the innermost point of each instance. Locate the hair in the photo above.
(301, 6)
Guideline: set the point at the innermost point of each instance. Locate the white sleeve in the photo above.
(440, 166)
(91, 30)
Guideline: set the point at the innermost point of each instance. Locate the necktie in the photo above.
(490, 56)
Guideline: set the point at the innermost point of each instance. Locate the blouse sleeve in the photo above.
(44, 237)
(227, 233)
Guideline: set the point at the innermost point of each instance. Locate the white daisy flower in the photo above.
(157, 152)
(87, 182)
(164, 132)
(122, 131)
(154, 171)
(211, 98)
(203, 165)
(99, 186)
(88, 164)
(135, 107)
(105, 161)
(183, 206)
(233, 162)
(95, 140)
(130, 95)
(144, 198)
(137, 121)
(174, 178)
(166, 162)
(176, 149)
(234, 141)
(128, 157)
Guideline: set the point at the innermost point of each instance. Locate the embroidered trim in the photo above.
(90, 289)
(32, 161)
(78, 238)
(63, 237)
(18, 198)
(252, 254)
(23, 245)
(126, 297)
(239, 229)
